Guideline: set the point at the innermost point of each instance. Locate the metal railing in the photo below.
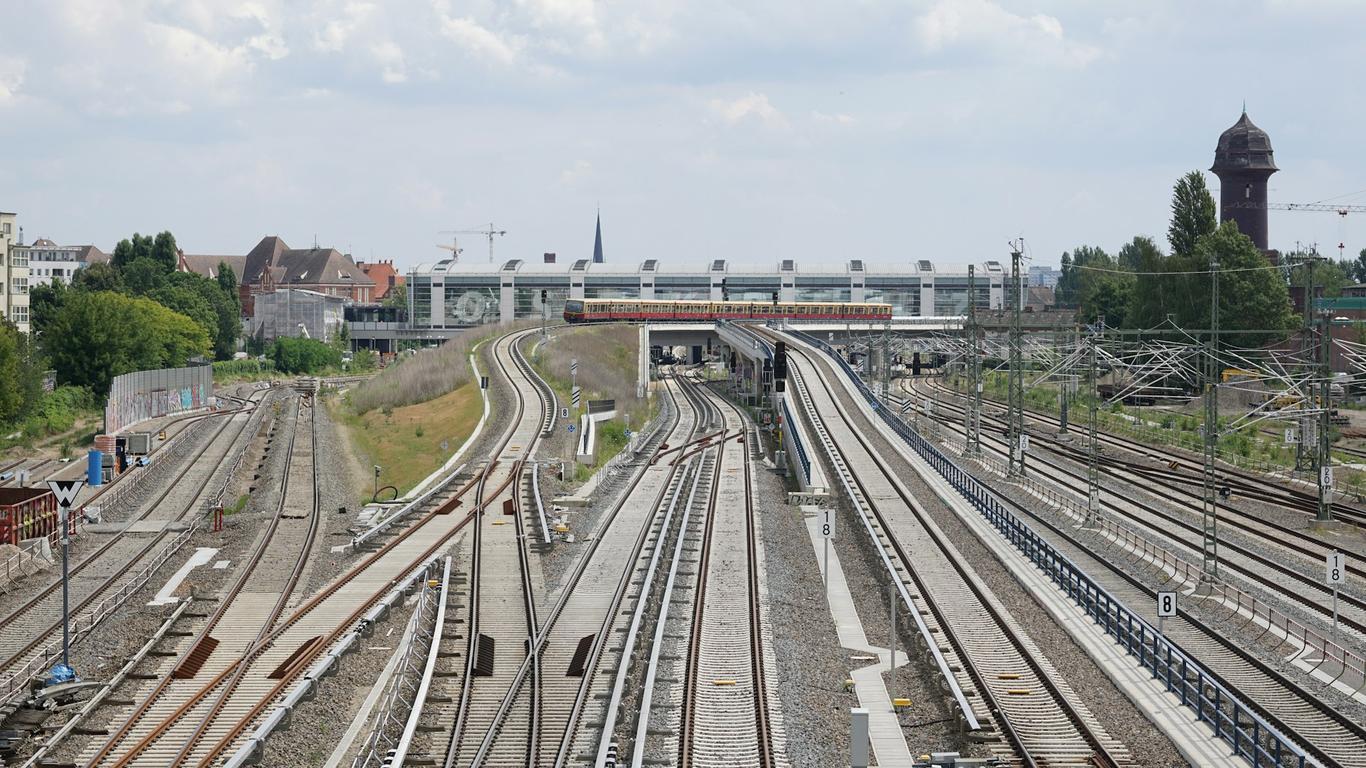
(1232, 720)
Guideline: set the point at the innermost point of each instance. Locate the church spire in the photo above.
(597, 241)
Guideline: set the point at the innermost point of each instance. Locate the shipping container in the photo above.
(26, 513)
(140, 443)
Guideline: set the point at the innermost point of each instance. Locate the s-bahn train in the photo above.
(600, 310)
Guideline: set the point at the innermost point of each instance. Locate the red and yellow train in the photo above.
(602, 310)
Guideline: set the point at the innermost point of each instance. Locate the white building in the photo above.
(13, 274)
(48, 261)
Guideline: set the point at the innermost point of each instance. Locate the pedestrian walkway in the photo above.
(884, 731)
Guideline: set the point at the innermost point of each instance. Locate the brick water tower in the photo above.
(1243, 162)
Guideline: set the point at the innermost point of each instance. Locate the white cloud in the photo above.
(985, 24)
(838, 118)
(11, 79)
(575, 172)
(335, 32)
(479, 42)
(390, 58)
(750, 107)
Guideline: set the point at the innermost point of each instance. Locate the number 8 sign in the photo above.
(1336, 568)
(1166, 605)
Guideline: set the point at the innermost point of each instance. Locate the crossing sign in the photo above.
(66, 490)
(574, 397)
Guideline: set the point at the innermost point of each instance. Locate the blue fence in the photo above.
(1233, 721)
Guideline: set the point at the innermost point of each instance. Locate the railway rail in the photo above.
(32, 627)
(1039, 718)
(172, 722)
(1230, 684)
(1297, 581)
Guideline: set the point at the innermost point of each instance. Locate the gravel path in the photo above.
(1147, 745)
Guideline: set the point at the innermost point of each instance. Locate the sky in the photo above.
(756, 131)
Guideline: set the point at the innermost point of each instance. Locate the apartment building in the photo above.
(49, 262)
(13, 272)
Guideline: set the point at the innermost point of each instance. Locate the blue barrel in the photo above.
(93, 468)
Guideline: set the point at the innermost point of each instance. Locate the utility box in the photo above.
(139, 443)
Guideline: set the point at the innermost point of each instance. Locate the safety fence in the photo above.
(1232, 720)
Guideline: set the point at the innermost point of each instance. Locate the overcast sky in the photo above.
(751, 131)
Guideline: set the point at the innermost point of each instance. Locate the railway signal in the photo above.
(66, 492)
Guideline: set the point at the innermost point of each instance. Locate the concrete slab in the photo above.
(884, 730)
(201, 556)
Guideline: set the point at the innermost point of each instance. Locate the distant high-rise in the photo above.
(597, 242)
(1243, 162)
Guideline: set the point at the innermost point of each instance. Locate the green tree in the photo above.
(398, 297)
(101, 276)
(1192, 214)
(190, 303)
(131, 249)
(1252, 295)
(143, 276)
(227, 282)
(292, 355)
(164, 251)
(1065, 292)
(96, 336)
(1357, 268)
(12, 363)
(1133, 254)
(44, 300)
(226, 315)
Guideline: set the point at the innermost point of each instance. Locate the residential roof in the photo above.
(43, 242)
(91, 255)
(208, 265)
(308, 266)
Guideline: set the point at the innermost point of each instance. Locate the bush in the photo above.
(227, 369)
(58, 411)
(304, 356)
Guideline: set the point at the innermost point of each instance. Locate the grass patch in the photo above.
(406, 441)
(237, 506)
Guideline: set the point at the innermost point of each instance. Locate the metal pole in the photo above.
(1092, 445)
(826, 572)
(973, 432)
(1209, 561)
(1325, 460)
(1305, 460)
(1015, 404)
(66, 592)
(1062, 385)
(1335, 613)
(891, 601)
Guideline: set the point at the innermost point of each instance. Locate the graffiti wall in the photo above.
(142, 395)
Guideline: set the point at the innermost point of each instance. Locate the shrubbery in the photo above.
(247, 368)
(304, 356)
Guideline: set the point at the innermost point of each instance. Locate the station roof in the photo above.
(716, 267)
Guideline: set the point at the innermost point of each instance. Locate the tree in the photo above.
(1252, 295)
(143, 276)
(12, 363)
(304, 355)
(189, 303)
(1192, 214)
(227, 282)
(130, 250)
(100, 276)
(1358, 268)
(1133, 254)
(96, 336)
(44, 300)
(164, 251)
(1065, 292)
(398, 296)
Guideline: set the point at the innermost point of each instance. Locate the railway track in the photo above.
(1039, 718)
(111, 568)
(1298, 581)
(1330, 737)
(1248, 484)
(245, 613)
(725, 714)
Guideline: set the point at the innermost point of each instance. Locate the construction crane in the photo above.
(1340, 210)
(490, 233)
(454, 248)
